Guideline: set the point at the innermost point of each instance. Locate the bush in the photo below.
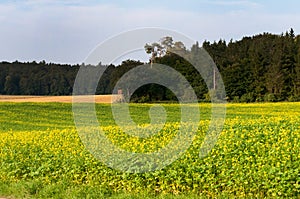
(259, 99)
(248, 97)
(294, 98)
(270, 97)
(236, 99)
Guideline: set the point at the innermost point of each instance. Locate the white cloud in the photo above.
(236, 3)
(67, 32)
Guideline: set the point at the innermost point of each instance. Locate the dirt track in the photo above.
(65, 99)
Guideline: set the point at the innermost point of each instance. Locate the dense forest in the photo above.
(264, 67)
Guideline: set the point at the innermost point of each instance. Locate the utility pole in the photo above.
(214, 78)
(152, 60)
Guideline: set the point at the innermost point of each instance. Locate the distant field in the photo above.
(63, 99)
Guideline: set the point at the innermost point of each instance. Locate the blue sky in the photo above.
(66, 31)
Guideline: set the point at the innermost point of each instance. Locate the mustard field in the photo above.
(257, 154)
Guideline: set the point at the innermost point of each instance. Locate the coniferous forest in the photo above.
(264, 67)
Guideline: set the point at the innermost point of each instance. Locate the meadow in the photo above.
(256, 156)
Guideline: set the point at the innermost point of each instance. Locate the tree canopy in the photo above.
(264, 67)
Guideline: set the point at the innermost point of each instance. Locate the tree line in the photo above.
(264, 67)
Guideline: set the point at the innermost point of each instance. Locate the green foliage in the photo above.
(247, 97)
(256, 156)
(236, 99)
(254, 67)
(269, 97)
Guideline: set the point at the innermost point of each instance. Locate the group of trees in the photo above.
(264, 67)
(34, 78)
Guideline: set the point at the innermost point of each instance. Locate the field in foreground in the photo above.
(257, 155)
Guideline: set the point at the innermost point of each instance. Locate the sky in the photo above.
(65, 31)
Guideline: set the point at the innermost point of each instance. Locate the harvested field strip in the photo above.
(63, 99)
